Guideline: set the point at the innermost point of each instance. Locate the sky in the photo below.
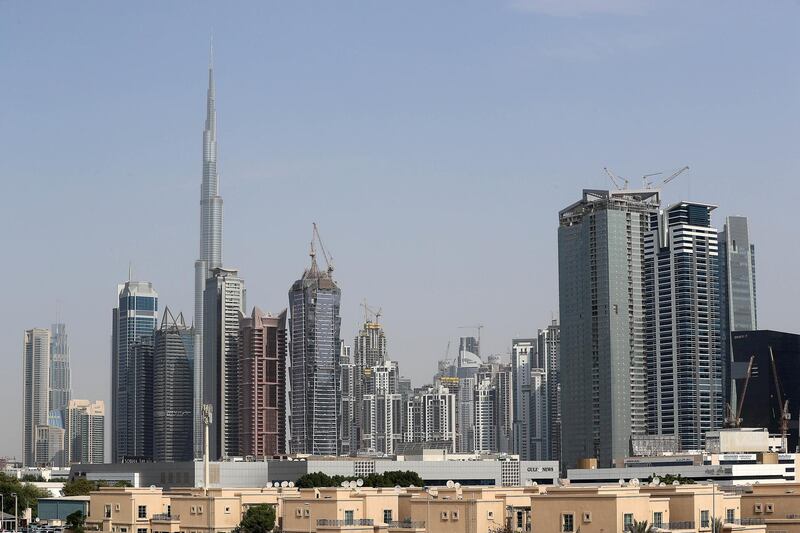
(433, 142)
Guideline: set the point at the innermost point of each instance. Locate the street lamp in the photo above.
(16, 512)
(713, 504)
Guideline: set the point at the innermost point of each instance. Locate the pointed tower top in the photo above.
(211, 54)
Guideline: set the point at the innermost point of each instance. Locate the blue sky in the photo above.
(433, 142)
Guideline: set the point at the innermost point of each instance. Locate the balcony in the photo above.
(164, 517)
(325, 522)
(407, 524)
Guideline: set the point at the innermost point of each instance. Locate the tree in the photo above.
(75, 522)
(641, 527)
(80, 486)
(668, 479)
(404, 478)
(27, 495)
(258, 519)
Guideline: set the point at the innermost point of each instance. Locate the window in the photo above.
(567, 523)
(306, 512)
(770, 507)
(387, 516)
(141, 530)
(348, 517)
(627, 521)
(730, 515)
(704, 519)
(757, 508)
(116, 507)
(519, 519)
(194, 509)
(445, 515)
(658, 519)
(142, 511)
(454, 515)
(228, 510)
(107, 511)
(490, 515)
(199, 509)
(298, 512)
(587, 517)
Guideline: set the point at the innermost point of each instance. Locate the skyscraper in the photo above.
(381, 412)
(84, 441)
(432, 417)
(523, 355)
(35, 391)
(600, 266)
(262, 397)
(173, 389)
(737, 289)
(210, 248)
(469, 344)
(60, 380)
(315, 343)
(369, 351)
(549, 355)
(682, 325)
(504, 408)
(347, 399)
(224, 300)
(485, 433)
(140, 391)
(134, 319)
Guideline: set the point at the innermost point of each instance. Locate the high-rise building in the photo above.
(60, 381)
(369, 350)
(84, 440)
(600, 258)
(262, 382)
(549, 349)
(315, 324)
(484, 434)
(737, 288)
(224, 300)
(682, 325)
(504, 408)
(469, 344)
(173, 389)
(347, 398)
(381, 410)
(140, 390)
(49, 447)
(432, 417)
(465, 413)
(134, 318)
(210, 248)
(35, 392)
(523, 356)
(539, 422)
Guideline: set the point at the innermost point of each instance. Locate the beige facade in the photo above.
(777, 504)
(125, 509)
(342, 509)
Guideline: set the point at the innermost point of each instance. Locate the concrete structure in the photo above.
(431, 417)
(210, 250)
(133, 320)
(778, 505)
(600, 257)
(381, 426)
(369, 350)
(485, 432)
(347, 399)
(737, 284)
(173, 389)
(682, 328)
(49, 446)
(262, 408)
(54, 511)
(60, 377)
(139, 392)
(224, 300)
(761, 406)
(85, 432)
(35, 390)
(523, 354)
(504, 408)
(314, 373)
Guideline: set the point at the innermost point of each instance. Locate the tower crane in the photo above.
(328, 258)
(479, 327)
(735, 418)
(616, 180)
(783, 406)
(371, 311)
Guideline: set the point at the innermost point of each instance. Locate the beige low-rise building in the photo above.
(126, 509)
(778, 504)
(340, 509)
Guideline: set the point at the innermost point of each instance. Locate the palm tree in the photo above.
(640, 527)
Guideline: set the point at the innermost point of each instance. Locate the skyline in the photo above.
(417, 155)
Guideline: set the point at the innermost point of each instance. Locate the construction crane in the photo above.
(370, 311)
(782, 405)
(735, 418)
(328, 258)
(616, 179)
(647, 183)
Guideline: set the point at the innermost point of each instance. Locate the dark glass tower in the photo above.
(173, 389)
(315, 322)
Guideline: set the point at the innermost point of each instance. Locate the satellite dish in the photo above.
(662, 484)
(359, 482)
(284, 484)
(656, 480)
(534, 484)
(398, 489)
(635, 482)
(458, 485)
(676, 482)
(345, 484)
(621, 482)
(291, 484)
(450, 484)
(152, 487)
(276, 484)
(353, 484)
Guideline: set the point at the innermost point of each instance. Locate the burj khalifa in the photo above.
(210, 247)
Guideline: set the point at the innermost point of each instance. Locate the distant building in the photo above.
(504, 408)
(35, 392)
(173, 389)
(465, 413)
(737, 288)
(224, 300)
(85, 432)
(60, 379)
(549, 350)
(523, 355)
(432, 417)
(485, 432)
(762, 406)
(469, 344)
(140, 400)
(682, 329)
(49, 446)
(601, 256)
(347, 398)
(314, 374)
(381, 410)
(134, 318)
(369, 350)
(262, 380)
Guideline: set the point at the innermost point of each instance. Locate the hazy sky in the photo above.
(433, 142)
